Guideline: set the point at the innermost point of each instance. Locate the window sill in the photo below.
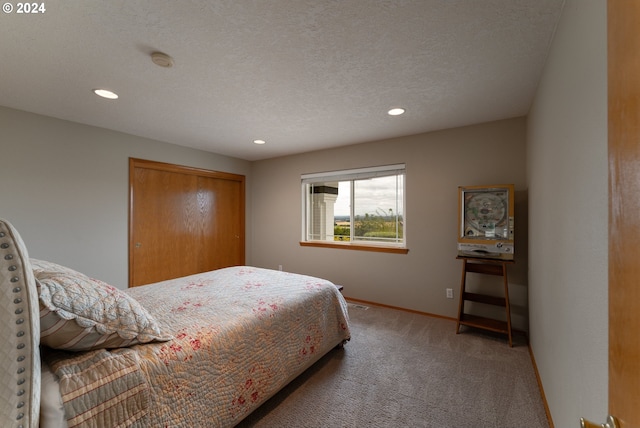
(359, 247)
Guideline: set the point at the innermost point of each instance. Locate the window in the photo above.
(355, 208)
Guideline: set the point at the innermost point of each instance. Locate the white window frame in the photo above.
(351, 175)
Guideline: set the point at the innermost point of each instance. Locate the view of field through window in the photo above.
(377, 210)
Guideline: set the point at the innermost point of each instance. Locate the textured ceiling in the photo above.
(301, 74)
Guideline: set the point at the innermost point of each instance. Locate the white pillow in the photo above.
(78, 313)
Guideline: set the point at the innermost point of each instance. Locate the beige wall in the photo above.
(567, 180)
(436, 164)
(65, 187)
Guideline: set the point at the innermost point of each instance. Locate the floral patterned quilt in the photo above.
(241, 334)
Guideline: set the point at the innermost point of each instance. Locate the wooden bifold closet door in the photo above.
(183, 221)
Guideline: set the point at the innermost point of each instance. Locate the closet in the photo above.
(183, 221)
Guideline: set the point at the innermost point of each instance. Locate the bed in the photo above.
(203, 350)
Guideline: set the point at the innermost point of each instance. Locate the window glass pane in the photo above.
(378, 204)
(342, 213)
(366, 207)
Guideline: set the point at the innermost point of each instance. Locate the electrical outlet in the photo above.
(279, 267)
(449, 293)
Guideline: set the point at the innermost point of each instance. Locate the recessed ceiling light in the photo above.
(105, 94)
(259, 141)
(396, 111)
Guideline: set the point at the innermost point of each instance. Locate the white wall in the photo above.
(65, 187)
(567, 180)
(436, 164)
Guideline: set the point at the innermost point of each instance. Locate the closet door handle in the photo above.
(612, 422)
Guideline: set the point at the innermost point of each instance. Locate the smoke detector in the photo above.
(161, 59)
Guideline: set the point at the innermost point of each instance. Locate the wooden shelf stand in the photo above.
(487, 267)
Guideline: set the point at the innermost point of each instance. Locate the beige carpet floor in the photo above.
(409, 370)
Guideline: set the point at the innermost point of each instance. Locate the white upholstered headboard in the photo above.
(19, 334)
